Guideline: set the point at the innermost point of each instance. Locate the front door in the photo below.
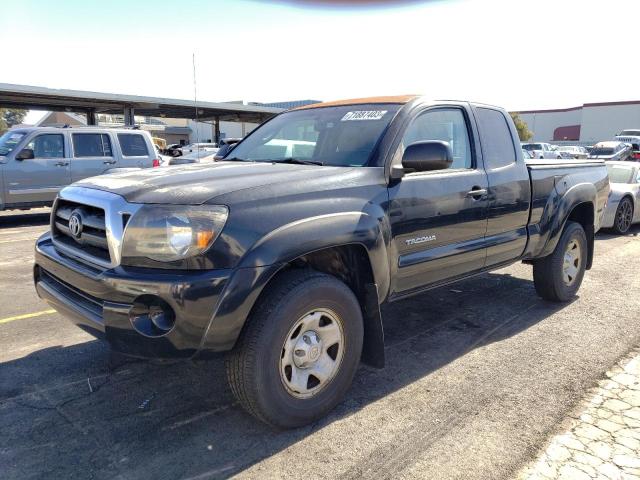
(439, 218)
(37, 180)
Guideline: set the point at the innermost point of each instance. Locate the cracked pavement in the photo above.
(479, 377)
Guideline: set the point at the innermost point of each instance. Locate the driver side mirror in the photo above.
(427, 156)
(25, 154)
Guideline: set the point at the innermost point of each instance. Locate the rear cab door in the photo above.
(37, 180)
(92, 154)
(438, 218)
(509, 186)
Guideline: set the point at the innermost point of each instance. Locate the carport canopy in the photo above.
(41, 98)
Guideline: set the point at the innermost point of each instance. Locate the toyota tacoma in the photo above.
(282, 253)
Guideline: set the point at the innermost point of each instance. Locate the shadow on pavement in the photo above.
(608, 234)
(79, 411)
(13, 219)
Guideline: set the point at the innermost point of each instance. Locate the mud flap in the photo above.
(373, 346)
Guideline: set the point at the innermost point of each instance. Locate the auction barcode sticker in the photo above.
(364, 115)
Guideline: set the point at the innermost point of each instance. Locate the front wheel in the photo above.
(296, 358)
(624, 216)
(558, 276)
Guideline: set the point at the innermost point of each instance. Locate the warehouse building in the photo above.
(585, 125)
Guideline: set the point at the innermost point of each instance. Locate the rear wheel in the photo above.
(624, 216)
(299, 351)
(558, 276)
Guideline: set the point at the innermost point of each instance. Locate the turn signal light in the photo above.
(203, 239)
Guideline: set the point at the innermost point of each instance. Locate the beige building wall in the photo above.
(543, 124)
(604, 122)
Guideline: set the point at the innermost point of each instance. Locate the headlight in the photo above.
(167, 233)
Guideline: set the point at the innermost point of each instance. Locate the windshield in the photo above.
(601, 151)
(620, 173)
(532, 146)
(9, 140)
(630, 133)
(338, 136)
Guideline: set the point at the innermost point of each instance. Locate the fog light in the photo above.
(151, 316)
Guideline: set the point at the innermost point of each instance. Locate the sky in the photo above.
(514, 53)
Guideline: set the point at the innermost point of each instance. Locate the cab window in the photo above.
(47, 146)
(447, 125)
(496, 140)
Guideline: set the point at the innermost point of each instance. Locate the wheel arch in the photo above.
(357, 255)
(577, 205)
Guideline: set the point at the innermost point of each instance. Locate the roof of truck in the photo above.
(361, 101)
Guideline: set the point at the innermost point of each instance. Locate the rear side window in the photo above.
(495, 136)
(133, 145)
(91, 145)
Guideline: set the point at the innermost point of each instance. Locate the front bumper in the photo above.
(100, 301)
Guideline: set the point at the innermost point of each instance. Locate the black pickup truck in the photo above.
(282, 253)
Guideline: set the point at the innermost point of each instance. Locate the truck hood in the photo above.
(196, 184)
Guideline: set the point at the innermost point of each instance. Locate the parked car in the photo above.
(284, 253)
(165, 160)
(36, 162)
(174, 150)
(196, 147)
(611, 151)
(226, 145)
(202, 156)
(623, 207)
(542, 150)
(632, 137)
(526, 155)
(573, 151)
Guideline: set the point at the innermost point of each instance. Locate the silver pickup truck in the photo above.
(36, 162)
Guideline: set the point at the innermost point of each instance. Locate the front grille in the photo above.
(92, 240)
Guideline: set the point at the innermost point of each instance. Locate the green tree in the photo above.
(10, 117)
(523, 129)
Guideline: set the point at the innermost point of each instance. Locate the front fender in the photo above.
(324, 231)
(270, 254)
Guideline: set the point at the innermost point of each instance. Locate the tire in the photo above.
(264, 367)
(552, 276)
(624, 216)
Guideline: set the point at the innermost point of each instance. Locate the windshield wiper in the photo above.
(297, 161)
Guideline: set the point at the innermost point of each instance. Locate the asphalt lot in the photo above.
(479, 376)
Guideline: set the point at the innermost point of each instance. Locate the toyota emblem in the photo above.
(75, 224)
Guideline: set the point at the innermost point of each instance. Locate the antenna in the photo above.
(195, 100)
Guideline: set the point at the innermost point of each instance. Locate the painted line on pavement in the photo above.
(26, 315)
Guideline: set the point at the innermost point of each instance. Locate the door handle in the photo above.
(62, 164)
(476, 193)
(109, 162)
